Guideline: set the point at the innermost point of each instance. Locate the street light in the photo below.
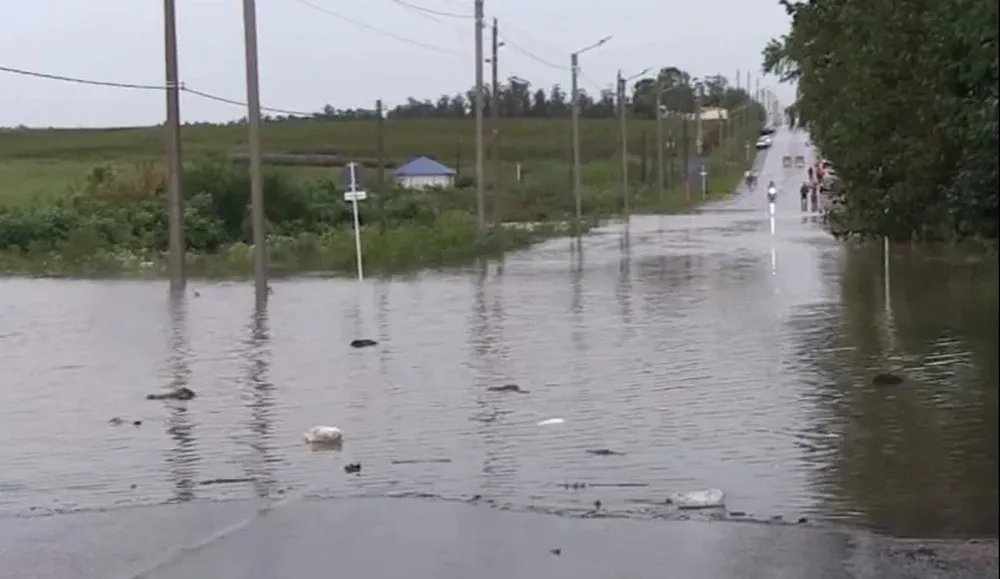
(574, 61)
(622, 113)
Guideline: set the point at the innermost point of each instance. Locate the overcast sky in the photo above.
(309, 58)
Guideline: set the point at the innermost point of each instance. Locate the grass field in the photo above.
(42, 163)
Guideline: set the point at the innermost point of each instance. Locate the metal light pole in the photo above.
(574, 60)
(622, 129)
(480, 180)
(256, 182)
(659, 141)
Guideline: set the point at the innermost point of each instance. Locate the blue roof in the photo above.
(422, 167)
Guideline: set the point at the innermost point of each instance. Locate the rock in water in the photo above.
(886, 379)
(178, 394)
(705, 499)
(363, 343)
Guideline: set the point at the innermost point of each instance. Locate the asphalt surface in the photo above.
(423, 538)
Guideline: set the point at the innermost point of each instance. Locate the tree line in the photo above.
(517, 99)
(902, 96)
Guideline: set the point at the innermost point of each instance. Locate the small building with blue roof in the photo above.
(423, 173)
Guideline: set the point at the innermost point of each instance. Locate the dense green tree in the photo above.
(902, 96)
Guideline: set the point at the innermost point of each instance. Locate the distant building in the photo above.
(714, 114)
(422, 173)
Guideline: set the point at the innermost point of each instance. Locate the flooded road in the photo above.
(728, 348)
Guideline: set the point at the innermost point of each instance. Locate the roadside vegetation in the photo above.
(902, 96)
(92, 202)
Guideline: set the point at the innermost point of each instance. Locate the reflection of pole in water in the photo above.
(182, 458)
(260, 402)
(885, 273)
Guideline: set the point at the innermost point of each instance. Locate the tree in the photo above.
(902, 96)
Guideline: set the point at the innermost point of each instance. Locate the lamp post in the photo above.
(574, 60)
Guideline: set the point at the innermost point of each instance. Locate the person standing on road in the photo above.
(804, 194)
(811, 174)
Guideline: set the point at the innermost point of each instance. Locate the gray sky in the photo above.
(308, 58)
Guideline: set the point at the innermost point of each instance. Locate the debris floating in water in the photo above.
(507, 388)
(225, 481)
(181, 393)
(363, 343)
(706, 499)
(886, 379)
(605, 452)
(353, 468)
(421, 460)
(551, 421)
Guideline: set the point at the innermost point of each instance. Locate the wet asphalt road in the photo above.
(416, 539)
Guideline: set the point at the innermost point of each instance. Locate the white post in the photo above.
(357, 225)
(518, 172)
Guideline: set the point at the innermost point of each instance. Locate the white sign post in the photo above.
(704, 182)
(354, 195)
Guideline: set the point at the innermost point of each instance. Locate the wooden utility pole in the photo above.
(380, 141)
(480, 180)
(622, 106)
(495, 118)
(175, 202)
(256, 180)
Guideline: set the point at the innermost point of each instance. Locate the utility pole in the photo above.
(574, 60)
(480, 181)
(659, 140)
(685, 174)
(574, 63)
(256, 181)
(622, 105)
(700, 137)
(175, 203)
(380, 142)
(495, 114)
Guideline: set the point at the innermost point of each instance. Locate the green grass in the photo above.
(44, 162)
(42, 167)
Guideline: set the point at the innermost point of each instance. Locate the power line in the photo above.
(220, 99)
(507, 42)
(431, 10)
(136, 86)
(324, 10)
(82, 80)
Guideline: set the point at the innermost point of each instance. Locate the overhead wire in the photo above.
(340, 16)
(138, 86)
(426, 10)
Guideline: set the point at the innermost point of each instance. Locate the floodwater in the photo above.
(726, 349)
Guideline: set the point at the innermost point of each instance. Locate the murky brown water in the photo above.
(722, 349)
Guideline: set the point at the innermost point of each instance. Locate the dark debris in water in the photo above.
(225, 481)
(363, 343)
(556, 552)
(422, 461)
(886, 379)
(507, 388)
(181, 393)
(605, 452)
(353, 468)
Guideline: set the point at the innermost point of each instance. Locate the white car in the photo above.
(764, 142)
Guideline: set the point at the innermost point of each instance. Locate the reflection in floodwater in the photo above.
(261, 457)
(920, 459)
(182, 458)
